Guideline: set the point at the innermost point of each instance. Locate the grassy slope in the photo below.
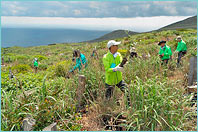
(156, 93)
(114, 35)
(184, 24)
(189, 23)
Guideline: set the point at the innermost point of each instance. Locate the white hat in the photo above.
(178, 37)
(112, 42)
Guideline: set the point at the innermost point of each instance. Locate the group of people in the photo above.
(165, 52)
(113, 59)
(80, 59)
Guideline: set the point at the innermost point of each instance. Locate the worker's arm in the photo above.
(83, 59)
(107, 65)
(78, 63)
(120, 58)
(76, 66)
(160, 52)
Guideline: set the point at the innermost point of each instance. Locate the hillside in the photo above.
(189, 23)
(113, 35)
(158, 95)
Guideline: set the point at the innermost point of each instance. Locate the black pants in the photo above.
(165, 61)
(123, 87)
(180, 55)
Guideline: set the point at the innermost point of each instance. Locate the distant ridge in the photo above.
(113, 35)
(189, 23)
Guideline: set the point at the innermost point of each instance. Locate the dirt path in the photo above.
(89, 122)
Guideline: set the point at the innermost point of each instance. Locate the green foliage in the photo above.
(62, 68)
(153, 104)
(45, 104)
(6, 83)
(191, 42)
(21, 68)
(40, 57)
(43, 66)
(156, 97)
(182, 29)
(21, 57)
(122, 52)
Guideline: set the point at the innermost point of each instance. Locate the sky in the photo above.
(132, 15)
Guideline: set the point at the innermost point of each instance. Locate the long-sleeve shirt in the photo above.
(110, 62)
(181, 46)
(78, 62)
(166, 50)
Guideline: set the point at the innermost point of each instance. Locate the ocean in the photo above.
(26, 37)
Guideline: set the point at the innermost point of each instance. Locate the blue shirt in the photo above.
(78, 62)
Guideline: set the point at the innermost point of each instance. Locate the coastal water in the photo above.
(25, 37)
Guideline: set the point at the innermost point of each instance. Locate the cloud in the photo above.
(99, 9)
(138, 24)
(77, 12)
(171, 10)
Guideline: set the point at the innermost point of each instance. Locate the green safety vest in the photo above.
(111, 77)
(166, 50)
(35, 64)
(181, 46)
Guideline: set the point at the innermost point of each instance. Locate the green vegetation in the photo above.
(156, 91)
(182, 25)
(114, 35)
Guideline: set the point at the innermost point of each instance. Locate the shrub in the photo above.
(21, 68)
(43, 66)
(21, 57)
(191, 42)
(62, 68)
(40, 57)
(9, 59)
(181, 29)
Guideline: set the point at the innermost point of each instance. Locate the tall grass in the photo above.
(155, 106)
(157, 102)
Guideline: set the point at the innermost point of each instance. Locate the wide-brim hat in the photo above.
(178, 37)
(161, 42)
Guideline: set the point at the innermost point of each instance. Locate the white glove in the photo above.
(118, 68)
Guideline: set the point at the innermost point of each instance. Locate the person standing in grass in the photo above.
(181, 49)
(36, 64)
(113, 71)
(81, 60)
(94, 53)
(165, 52)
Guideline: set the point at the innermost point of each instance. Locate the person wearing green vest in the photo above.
(36, 64)
(165, 52)
(181, 49)
(113, 72)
